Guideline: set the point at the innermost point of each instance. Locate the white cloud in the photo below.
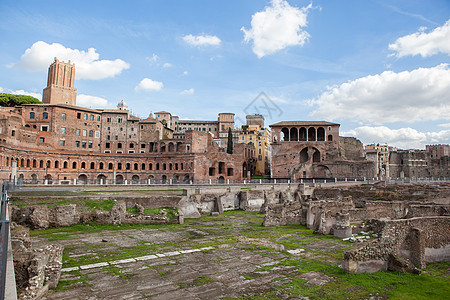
(185, 73)
(277, 27)
(446, 125)
(147, 84)
(202, 40)
(420, 95)
(188, 92)
(93, 101)
(87, 64)
(404, 138)
(167, 65)
(152, 59)
(424, 44)
(21, 92)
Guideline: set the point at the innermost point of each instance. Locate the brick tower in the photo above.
(60, 90)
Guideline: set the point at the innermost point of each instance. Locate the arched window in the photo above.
(311, 134)
(157, 166)
(83, 165)
(92, 165)
(65, 165)
(119, 166)
(320, 134)
(101, 166)
(330, 137)
(135, 166)
(293, 134)
(285, 134)
(56, 164)
(110, 166)
(142, 166)
(34, 163)
(28, 163)
(302, 134)
(164, 166)
(128, 166)
(74, 165)
(41, 164)
(150, 166)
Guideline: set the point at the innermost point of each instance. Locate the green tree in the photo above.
(11, 100)
(230, 141)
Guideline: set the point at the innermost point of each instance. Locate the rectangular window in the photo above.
(108, 137)
(91, 133)
(90, 145)
(83, 145)
(98, 118)
(45, 115)
(85, 116)
(63, 117)
(97, 134)
(107, 145)
(84, 132)
(31, 115)
(77, 144)
(13, 132)
(119, 120)
(44, 128)
(63, 130)
(92, 117)
(78, 132)
(108, 120)
(62, 143)
(41, 140)
(78, 115)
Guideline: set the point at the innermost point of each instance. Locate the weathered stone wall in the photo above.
(420, 240)
(37, 270)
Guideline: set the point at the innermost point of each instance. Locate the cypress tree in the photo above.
(230, 141)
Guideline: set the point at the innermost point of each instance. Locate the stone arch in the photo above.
(48, 178)
(119, 179)
(135, 179)
(311, 134)
(164, 179)
(162, 147)
(285, 134)
(171, 147)
(304, 157)
(151, 147)
(151, 177)
(330, 137)
(221, 179)
(100, 178)
(82, 179)
(316, 155)
(293, 133)
(34, 178)
(320, 134)
(178, 147)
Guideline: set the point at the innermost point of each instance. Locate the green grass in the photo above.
(115, 271)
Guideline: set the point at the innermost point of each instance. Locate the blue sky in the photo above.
(378, 68)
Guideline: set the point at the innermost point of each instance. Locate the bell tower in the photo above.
(60, 90)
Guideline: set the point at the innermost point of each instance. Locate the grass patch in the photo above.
(115, 271)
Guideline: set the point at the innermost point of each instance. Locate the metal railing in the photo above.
(4, 221)
(187, 182)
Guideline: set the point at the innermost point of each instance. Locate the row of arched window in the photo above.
(48, 164)
(295, 134)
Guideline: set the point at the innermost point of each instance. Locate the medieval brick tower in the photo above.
(60, 90)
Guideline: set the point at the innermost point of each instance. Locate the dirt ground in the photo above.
(240, 259)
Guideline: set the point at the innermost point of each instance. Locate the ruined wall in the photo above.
(421, 240)
(351, 148)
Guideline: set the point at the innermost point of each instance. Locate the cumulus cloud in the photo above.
(167, 65)
(276, 27)
(21, 92)
(424, 44)
(188, 92)
(88, 66)
(147, 84)
(93, 101)
(403, 138)
(202, 40)
(420, 95)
